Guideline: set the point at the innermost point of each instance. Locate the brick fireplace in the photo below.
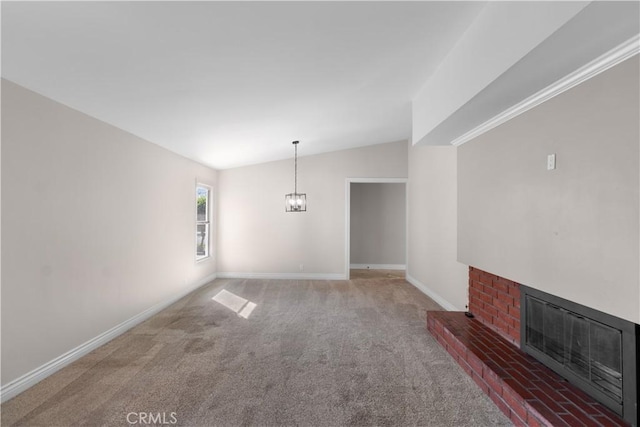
(487, 347)
(495, 301)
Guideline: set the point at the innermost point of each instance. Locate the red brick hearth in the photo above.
(487, 347)
(526, 391)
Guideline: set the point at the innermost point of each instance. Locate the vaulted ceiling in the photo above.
(233, 83)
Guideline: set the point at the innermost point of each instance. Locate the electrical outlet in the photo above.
(551, 162)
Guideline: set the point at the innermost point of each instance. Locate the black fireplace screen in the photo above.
(589, 349)
(595, 351)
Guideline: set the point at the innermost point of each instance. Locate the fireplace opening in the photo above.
(593, 350)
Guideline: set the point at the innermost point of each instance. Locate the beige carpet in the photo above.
(321, 353)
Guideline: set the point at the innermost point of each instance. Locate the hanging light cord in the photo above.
(295, 169)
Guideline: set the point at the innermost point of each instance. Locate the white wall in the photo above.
(432, 231)
(257, 237)
(378, 223)
(573, 231)
(97, 226)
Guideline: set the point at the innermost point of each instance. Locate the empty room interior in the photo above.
(320, 213)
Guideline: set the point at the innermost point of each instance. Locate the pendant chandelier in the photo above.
(295, 202)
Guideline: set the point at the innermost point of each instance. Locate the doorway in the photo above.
(376, 225)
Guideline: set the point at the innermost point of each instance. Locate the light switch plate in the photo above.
(551, 162)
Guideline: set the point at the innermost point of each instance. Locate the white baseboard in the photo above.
(29, 379)
(378, 266)
(282, 276)
(431, 294)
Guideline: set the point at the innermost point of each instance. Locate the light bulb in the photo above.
(299, 202)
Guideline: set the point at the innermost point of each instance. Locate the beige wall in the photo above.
(378, 223)
(257, 237)
(432, 244)
(97, 226)
(572, 231)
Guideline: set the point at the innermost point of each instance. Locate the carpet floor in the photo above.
(269, 352)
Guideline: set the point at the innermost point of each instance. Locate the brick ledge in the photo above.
(526, 391)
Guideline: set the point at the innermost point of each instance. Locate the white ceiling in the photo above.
(233, 83)
(229, 84)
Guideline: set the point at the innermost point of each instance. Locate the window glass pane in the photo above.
(202, 241)
(202, 221)
(202, 195)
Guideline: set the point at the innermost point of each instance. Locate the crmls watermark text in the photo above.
(152, 418)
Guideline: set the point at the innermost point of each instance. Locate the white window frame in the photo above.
(208, 222)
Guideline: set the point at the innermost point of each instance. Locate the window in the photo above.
(203, 213)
